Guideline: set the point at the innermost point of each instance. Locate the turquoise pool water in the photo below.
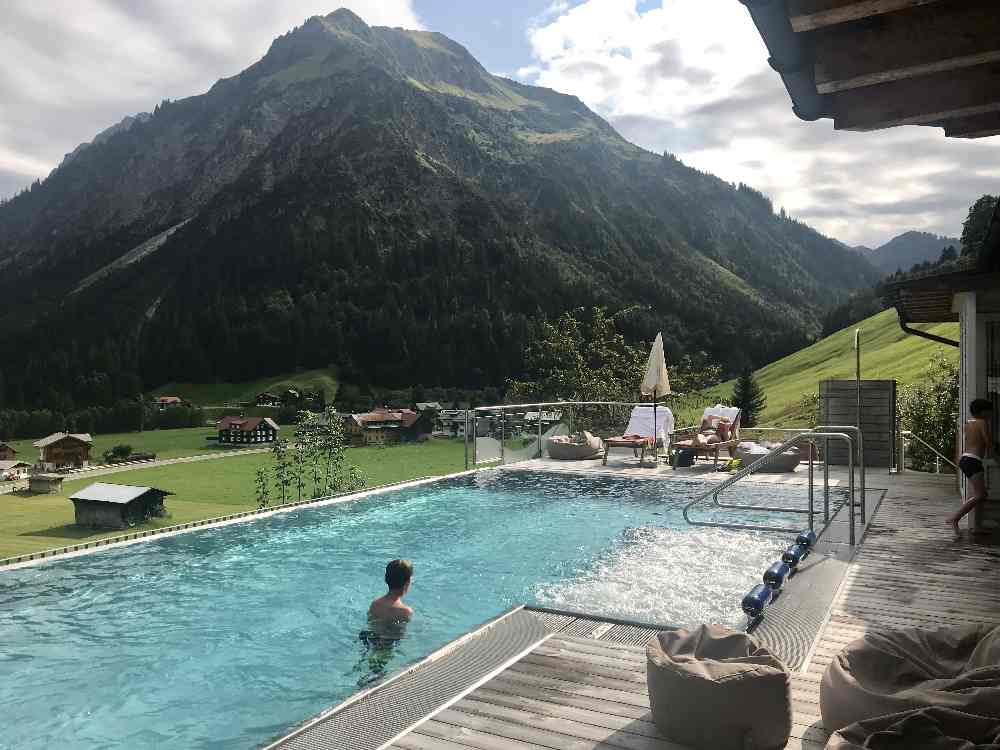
(225, 637)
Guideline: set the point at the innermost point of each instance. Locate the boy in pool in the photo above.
(387, 619)
(978, 446)
(390, 608)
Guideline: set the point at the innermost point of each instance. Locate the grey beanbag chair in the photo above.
(930, 728)
(787, 461)
(902, 670)
(716, 688)
(574, 448)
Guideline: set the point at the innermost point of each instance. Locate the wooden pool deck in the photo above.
(573, 693)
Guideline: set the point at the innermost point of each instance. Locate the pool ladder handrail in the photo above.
(811, 436)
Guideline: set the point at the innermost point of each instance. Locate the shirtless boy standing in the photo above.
(978, 446)
(390, 608)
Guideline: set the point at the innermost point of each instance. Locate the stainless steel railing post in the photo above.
(826, 480)
(503, 429)
(850, 500)
(541, 452)
(465, 439)
(811, 447)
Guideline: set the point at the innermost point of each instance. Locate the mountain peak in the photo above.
(349, 21)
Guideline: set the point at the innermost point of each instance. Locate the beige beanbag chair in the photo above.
(902, 670)
(578, 447)
(935, 728)
(717, 689)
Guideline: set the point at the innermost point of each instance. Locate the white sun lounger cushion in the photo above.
(641, 422)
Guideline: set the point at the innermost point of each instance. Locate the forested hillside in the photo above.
(372, 199)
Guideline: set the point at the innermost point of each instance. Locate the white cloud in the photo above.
(70, 68)
(691, 77)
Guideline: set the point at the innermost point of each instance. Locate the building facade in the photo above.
(62, 450)
(247, 430)
(7, 453)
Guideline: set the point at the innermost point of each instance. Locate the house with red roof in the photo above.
(247, 430)
(382, 426)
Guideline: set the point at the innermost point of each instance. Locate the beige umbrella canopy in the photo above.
(655, 383)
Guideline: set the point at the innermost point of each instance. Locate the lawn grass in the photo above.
(203, 489)
(886, 354)
(218, 394)
(186, 441)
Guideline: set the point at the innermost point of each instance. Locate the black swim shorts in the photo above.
(970, 466)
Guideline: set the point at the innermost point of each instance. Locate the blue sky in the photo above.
(496, 33)
(685, 76)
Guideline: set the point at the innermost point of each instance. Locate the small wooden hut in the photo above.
(117, 506)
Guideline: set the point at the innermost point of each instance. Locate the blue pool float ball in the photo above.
(793, 555)
(776, 575)
(755, 601)
(806, 539)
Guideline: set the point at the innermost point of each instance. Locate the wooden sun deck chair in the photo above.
(639, 435)
(708, 450)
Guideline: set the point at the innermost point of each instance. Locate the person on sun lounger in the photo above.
(714, 429)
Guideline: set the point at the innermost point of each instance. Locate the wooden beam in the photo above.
(806, 15)
(916, 42)
(980, 126)
(918, 101)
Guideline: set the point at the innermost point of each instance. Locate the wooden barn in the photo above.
(7, 453)
(117, 506)
(243, 430)
(64, 450)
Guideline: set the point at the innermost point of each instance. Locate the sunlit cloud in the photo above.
(691, 77)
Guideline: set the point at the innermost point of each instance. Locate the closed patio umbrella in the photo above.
(655, 382)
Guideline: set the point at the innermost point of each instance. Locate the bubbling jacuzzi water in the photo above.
(225, 637)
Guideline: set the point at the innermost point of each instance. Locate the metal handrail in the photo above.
(861, 454)
(939, 456)
(763, 461)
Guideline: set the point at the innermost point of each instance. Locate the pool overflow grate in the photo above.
(370, 720)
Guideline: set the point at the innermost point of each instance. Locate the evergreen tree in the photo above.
(749, 397)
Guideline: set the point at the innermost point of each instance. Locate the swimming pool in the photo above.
(225, 637)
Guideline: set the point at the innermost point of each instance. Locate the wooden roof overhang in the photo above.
(873, 64)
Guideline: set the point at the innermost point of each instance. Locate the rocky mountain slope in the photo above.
(372, 198)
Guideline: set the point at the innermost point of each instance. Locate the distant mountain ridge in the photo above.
(909, 249)
(373, 199)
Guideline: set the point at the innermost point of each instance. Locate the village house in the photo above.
(247, 430)
(11, 471)
(166, 402)
(64, 450)
(268, 400)
(382, 426)
(6, 452)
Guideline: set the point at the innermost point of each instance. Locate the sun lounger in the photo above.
(640, 435)
(710, 449)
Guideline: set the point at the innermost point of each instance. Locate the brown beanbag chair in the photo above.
(574, 448)
(716, 688)
(902, 670)
(929, 728)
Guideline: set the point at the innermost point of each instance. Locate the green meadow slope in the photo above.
(217, 394)
(886, 353)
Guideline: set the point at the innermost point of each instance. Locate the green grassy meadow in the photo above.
(203, 489)
(187, 441)
(217, 394)
(886, 353)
